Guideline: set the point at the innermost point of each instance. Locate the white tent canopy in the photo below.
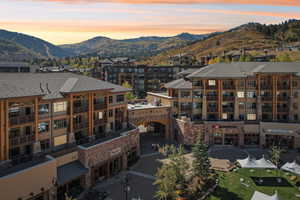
(261, 163)
(261, 196)
(293, 167)
(247, 163)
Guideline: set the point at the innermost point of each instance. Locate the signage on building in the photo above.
(115, 151)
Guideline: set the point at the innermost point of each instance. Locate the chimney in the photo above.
(41, 87)
(47, 86)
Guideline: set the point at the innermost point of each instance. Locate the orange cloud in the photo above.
(60, 32)
(250, 13)
(252, 2)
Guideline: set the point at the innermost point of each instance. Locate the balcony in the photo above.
(228, 87)
(81, 125)
(211, 87)
(100, 106)
(119, 114)
(266, 87)
(212, 98)
(228, 109)
(228, 98)
(266, 109)
(283, 87)
(100, 121)
(81, 109)
(266, 98)
(21, 119)
(282, 98)
(212, 109)
(27, 139)
(282, 109)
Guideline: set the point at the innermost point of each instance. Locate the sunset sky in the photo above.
(71, 21)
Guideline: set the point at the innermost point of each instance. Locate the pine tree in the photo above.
(201, 163)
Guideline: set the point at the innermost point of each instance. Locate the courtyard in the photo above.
(141, 175)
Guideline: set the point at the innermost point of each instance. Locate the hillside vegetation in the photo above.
(252, 36)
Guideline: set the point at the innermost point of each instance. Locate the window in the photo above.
(251, 83)
(241, 94)
(197, 94)
(43, 109)
(110, 113)
(212, 82)
(120, 98)
(110, 99)
(224, 116)
(43, 127)
(185, 94)
(175, 103)
(59, 124)
(60, 106)
(99, 115)
(251, 117)
(45, 144)
(60, 140)
(251, 94)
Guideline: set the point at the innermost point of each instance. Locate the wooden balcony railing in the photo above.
(81, 125)
(81, 109)
(22, 139)
(100, 106)
(21, 119)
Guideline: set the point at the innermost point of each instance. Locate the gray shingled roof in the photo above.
(179, 84)
(244, 69)
(50, 85)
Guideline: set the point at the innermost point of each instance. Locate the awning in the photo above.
(70, 171)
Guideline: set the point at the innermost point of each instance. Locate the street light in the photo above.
(126, 187)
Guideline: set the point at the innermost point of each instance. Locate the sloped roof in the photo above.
(179, 84)
(244, 69)
(50, 85)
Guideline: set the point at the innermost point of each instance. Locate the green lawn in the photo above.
(230, 187)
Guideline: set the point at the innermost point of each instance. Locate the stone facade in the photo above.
(99, 154)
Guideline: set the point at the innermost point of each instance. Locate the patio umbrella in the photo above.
(293, 167)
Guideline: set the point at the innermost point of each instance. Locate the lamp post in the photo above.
(126, 187)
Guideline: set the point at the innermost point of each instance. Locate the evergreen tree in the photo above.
(129, 95)
(201, 163)
(170, 178)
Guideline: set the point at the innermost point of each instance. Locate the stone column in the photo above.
(291, 103)
(236, 108)
(204, 107)
(259, 108)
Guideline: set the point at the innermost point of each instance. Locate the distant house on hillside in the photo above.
(183, 59)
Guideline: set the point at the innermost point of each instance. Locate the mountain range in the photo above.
(18, 46)
(155, 50)
(254, 37)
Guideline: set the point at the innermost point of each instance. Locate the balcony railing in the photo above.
(22, 140)
(119, 114)
(81, 125)
(100, 121)
(211, 87)
(228, 109)
(283, 87)
(212, 109)
(228, 87)
(266, 109)
(282, 98)
(228, 98)
(266, 87)
(21, 119)
(81, 109)
(266, 98)
(100, 106)
(212, 98)
(282, 110)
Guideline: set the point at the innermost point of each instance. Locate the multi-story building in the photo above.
(142, 78)
(63, 132)
(17, 67)
(242, 104)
